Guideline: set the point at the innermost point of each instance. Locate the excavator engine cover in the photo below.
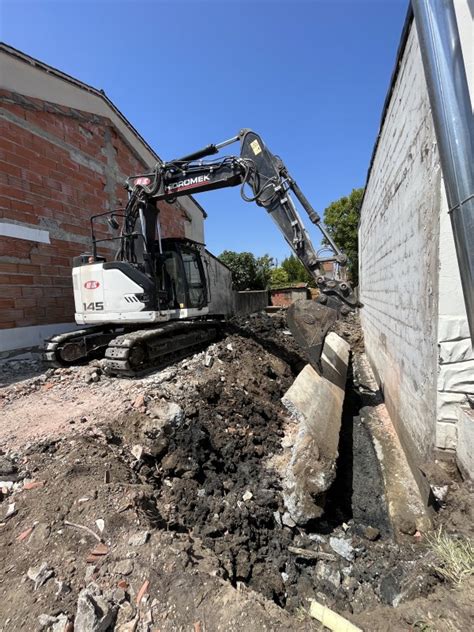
(309, 322)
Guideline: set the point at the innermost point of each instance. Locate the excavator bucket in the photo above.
(309, 322)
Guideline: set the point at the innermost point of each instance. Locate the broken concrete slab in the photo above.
(94, 612)
(315, 403)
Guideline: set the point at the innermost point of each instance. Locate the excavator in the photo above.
(150, 304)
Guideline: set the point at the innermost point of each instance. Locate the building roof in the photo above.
(287, 288)
(95, 100)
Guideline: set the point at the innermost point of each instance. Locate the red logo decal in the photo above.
(143, 180)
(91, 285)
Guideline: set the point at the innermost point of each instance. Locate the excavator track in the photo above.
(137, 352)
(130, 353)
(78, 346)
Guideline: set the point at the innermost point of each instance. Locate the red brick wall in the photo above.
(58, 166)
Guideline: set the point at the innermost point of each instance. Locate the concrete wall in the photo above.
(249, 302)
(224, 300)
(284, 297)
(414, 320)
(219, 279)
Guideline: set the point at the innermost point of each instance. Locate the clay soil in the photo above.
(173, 473)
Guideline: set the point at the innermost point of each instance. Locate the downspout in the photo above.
(454, 126)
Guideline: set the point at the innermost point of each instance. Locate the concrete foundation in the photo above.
(406, 507)
(315, 406)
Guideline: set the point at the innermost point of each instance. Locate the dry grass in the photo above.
(455, 556)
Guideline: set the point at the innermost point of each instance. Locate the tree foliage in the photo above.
(248, 272)
(265, 266)
(259, 273)
(296, 271)
(243, 267)
(279, 278)
(342, 219)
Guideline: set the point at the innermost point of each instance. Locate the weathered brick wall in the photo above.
(414, 318)
(398, 235)
(58, 166)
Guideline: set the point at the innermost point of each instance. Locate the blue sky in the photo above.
(309, 76)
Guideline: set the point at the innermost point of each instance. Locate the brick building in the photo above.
(65, 150)
(285, 296)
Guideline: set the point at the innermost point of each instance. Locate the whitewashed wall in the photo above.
(414, 318)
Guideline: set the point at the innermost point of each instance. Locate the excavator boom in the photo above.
(265, 180)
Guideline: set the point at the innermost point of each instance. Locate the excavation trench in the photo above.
(212, 475)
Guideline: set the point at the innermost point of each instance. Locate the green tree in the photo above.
(295, 270)
(342, 219)
(279, 278)
(265, 266)
(243, 267)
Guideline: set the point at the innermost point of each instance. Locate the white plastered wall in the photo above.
(414, 317)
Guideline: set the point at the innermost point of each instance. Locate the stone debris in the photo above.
(95, 613)
(62, 624)
(126, 616)
(328, 574)
(8, 470)
(100, 549)
(199, 501)
(142, 592)
(130, 626)
(342, 547)
(11, 511)
(59, 623)
(139, 539)
(371, 533)
(33, 485)
(287, 520)
(63, 588)
(46, 620)
(440, 492)
(167, 413)
(25, 534)
(137, 451)
(123, 567)
(39, 575)
(139, 401)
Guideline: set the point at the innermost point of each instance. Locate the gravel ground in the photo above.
(152, 504)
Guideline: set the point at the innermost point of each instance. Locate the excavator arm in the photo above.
(265, 180)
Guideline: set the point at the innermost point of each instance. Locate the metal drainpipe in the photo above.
(454, 126)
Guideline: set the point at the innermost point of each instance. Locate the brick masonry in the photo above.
(58, 166)
(414, 319)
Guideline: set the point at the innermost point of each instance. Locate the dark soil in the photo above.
(203, 483)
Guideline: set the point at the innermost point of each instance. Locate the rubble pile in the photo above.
(156, 503)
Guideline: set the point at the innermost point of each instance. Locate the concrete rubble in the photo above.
(164, 501)
(315, 403)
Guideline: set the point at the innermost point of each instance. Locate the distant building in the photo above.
(285, 296)
(65, 151)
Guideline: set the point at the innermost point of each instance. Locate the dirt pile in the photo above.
(155, 503)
